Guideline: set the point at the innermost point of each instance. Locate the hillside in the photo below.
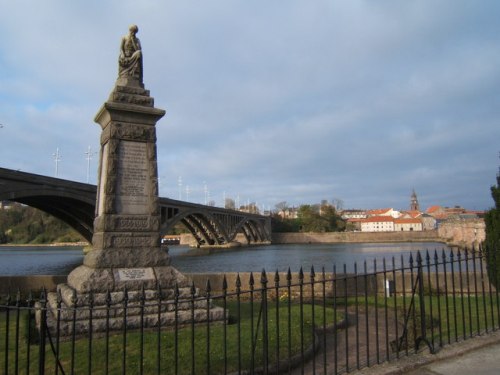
(21, 224)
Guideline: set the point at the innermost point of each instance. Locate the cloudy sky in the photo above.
(268, 101)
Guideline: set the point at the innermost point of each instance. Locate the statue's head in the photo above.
(133, 29)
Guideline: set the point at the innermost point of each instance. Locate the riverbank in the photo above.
(55, 244)
(356, 237)
(338, 237)
(309, 238)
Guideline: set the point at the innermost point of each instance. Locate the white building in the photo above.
(383, 212)
(407, 225)
(378, 224)
(353, 214)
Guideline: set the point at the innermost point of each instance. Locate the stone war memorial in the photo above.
(126, 265)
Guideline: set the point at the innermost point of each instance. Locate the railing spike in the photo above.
(263, 277)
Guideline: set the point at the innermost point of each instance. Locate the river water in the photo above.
(52, 260)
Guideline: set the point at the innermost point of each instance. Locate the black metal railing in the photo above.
(315, 322)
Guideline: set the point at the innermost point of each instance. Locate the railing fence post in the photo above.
(43, 325)
(238, 313)
(208, 291)
(313, 321)
(421, 295)
(7, 330)
(277, 317)
(265, 336)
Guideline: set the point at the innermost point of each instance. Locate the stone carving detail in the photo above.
(132, 99)
(155, 222)
(131, 241)
(128, 274)
(113, 146)
(130, 60)
(131, 222)
(123, 131)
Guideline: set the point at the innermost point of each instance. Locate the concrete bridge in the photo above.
(74, 203)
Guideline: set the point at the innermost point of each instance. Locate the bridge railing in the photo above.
(321, 321)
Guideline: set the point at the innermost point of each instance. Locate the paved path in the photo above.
(477, 356)
(484, 361)
(361, 343)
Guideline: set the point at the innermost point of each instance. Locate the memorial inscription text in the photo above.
(132, 178)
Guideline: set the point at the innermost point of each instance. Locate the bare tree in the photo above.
(229, 204)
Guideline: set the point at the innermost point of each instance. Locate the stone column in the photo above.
(126, 259)
(126, 243)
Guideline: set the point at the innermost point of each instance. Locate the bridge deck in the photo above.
(74, 203)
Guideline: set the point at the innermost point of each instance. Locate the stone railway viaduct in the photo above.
(74, 203)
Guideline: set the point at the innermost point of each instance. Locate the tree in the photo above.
(230, 204)
(22, 224)
(281, 208)
(492, 241)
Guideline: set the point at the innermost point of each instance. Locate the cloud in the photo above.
(361, 101)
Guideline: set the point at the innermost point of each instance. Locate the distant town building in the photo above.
(377, 224)
(383, 212)
(414, 206)
(353, 214)
(289, 213)
(407, 225)
(457, 212)
(250, 208)
(353, 224)
(428, 222)
(410, 214)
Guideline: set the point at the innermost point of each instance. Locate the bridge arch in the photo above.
(218, 228)
(74, 203)
(71, 202)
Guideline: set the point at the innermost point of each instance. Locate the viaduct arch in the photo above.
(74, 203)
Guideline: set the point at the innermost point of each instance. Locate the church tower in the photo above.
(414, 206)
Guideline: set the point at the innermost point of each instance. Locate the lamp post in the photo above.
(205, 190)
(89, 154)
(57, 159)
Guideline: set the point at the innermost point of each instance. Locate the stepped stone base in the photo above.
(101, 300)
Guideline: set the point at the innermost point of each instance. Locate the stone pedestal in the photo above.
(126, 260)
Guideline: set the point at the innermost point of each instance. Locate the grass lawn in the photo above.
(448, 318)
(217, 349)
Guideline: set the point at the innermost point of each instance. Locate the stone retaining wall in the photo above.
(463, 232)
(356, 237)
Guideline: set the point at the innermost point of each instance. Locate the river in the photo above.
(53, 260)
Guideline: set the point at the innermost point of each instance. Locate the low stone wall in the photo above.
(356, 237)
(338, 237)
(349, 284)
(26, 284)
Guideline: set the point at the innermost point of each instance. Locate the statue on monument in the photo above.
(126, 260)
(130, 60)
